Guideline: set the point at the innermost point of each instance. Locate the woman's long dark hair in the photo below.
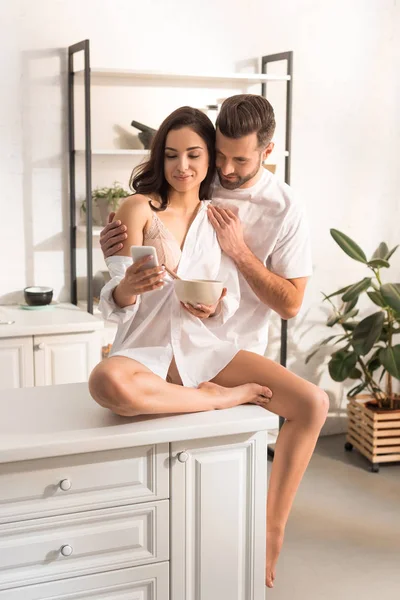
(149, 178)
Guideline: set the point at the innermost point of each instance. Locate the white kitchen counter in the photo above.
(57, 319)
(63, 419)
(161, 507)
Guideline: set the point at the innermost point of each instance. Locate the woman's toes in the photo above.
(266, 392)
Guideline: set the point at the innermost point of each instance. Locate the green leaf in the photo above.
(349, 315)
(357, 389)
(355, 373)
(350, 325)
(323, 343)
(391, 295)
(377, 298)
(343, 337)
(391, 252)
(350, 305)
(374, 363)
(367, 332)
(384, 333)
(333, 319)
(390, 359)
(381, 251)
(382, 374)
(348, 246)
(378, 263)
(341, 364)
(341, 291)
(355, 290)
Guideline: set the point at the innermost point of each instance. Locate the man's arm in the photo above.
(285, 296)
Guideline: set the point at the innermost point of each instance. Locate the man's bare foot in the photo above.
(241, 394)
(274, 545)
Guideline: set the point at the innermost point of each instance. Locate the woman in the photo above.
(131, 388)
(163, 357)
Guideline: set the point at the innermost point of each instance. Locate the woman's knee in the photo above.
(317, 405)
(104, 383)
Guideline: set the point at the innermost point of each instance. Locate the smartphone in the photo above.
(138, 252)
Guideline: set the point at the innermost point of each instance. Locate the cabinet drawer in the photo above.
(43, 487)
(41, 550)
(150, 582)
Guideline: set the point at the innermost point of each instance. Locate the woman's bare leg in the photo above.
(304, 406)
(129, 388)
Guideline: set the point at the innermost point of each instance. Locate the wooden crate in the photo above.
(376, 434)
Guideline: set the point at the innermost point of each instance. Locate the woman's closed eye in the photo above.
(175, 156)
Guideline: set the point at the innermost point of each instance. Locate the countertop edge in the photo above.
(79, 442)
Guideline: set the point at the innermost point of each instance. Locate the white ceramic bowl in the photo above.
(198, 291)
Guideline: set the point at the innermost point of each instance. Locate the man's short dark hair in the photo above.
(245, 114)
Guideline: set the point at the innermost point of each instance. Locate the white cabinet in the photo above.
(48, 360)
(218, 518)
(67, 358)
(61, 345)
(16, 363)
(93, 505)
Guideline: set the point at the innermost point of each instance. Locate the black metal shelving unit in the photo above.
(72, 50)
(265, 61)
(84, 47)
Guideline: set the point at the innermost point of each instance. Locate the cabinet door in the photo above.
(218, 514)
(67, 358)
(16, 362)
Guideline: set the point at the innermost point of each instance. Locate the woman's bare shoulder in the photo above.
(133, 206)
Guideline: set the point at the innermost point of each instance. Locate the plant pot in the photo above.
(373, 432)
(104, 210)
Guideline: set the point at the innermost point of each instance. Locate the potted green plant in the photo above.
(368, 354)
(107, 200)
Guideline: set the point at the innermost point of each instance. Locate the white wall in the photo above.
(345, 121)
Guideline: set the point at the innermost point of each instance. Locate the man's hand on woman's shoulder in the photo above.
(112, 236)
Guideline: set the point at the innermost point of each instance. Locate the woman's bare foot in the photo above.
(274, 545)
(241, 394)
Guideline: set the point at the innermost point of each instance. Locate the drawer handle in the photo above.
(183, 457)
(66, 550)
(65, 485)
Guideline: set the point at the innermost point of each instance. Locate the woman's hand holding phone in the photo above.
(138, 280)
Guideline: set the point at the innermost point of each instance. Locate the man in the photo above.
(262, 228)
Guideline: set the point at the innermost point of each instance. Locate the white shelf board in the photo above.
(137, 152)
(117, 152)
(250, 78)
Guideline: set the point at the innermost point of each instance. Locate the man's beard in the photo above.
(233, 184)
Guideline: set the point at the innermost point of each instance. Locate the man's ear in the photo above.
(268, 151)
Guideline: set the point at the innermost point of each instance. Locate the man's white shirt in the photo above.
(276, 231)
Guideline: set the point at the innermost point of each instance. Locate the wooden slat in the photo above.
(386, 449)
(381, 441)
(388, 458)
(386, 433)
(389, 416)
(388, 425)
